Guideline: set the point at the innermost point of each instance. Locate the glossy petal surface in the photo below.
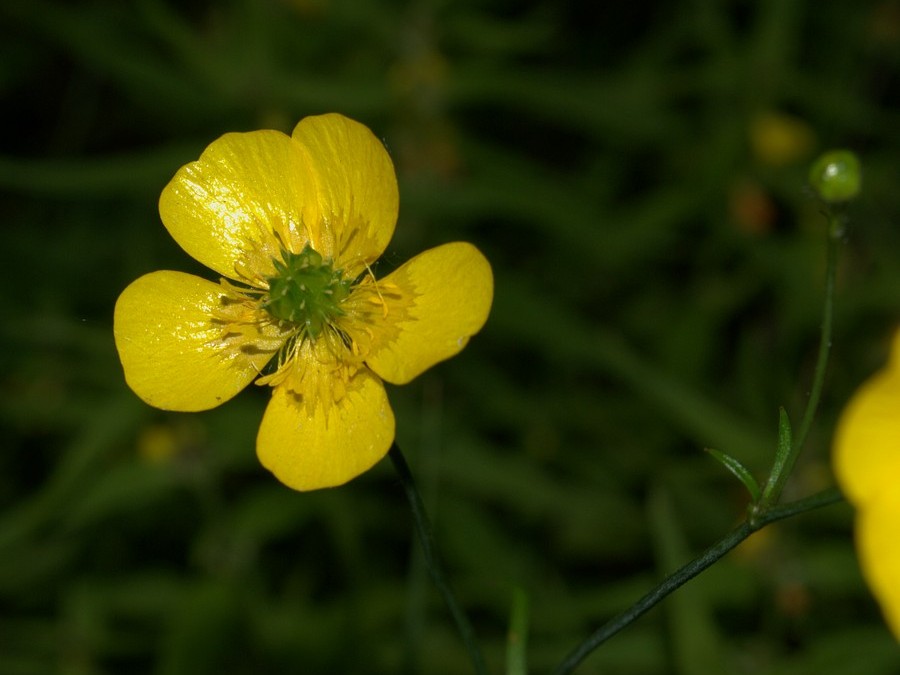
(174, 355)
(449, 290)
(243, 189)
(867, 466)
(877, 527)
(330, 444)
(867, 440)
(356, 188)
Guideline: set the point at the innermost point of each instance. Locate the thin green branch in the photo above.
(432, 561)
(783, 469)
(791, 509)
(689, 571)
(834, 240)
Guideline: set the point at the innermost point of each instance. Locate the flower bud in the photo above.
(836, 176)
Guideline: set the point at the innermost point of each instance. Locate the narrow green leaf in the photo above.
(782, 456)
(517, 638)
(785, 439)
(739, 470)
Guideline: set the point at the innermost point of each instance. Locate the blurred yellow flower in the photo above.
(293, 224)
(157, 444)
(778, 139)
(867, 465)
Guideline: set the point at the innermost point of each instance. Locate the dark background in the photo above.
(635, 174)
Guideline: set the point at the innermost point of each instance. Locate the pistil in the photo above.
(306, 291)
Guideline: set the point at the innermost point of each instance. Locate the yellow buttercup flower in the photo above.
(779, 139)
(867, 465)
(294, 224)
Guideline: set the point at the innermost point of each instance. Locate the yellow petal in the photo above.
(448, 290)
(867, 439)
(879, 552)
(330, 444)
(224, 208)
(174, 355)
(356, 188)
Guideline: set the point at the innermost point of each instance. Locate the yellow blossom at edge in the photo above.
(867, 465)
(262, 209)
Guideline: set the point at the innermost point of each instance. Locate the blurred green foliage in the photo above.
(635, 173)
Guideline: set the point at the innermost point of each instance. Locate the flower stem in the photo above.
(783, 469)
(834, 240)
(432, 561)
(689, 571)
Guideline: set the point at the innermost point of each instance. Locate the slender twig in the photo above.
(779, 476)
(432, 561)
(689, 571)
(834, 240)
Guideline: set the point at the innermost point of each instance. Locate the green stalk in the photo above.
(689, 571)
(432, 561)
(785, 465)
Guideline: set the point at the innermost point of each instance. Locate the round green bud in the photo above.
(836, 176)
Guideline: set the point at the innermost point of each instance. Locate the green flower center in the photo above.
(306, 290)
